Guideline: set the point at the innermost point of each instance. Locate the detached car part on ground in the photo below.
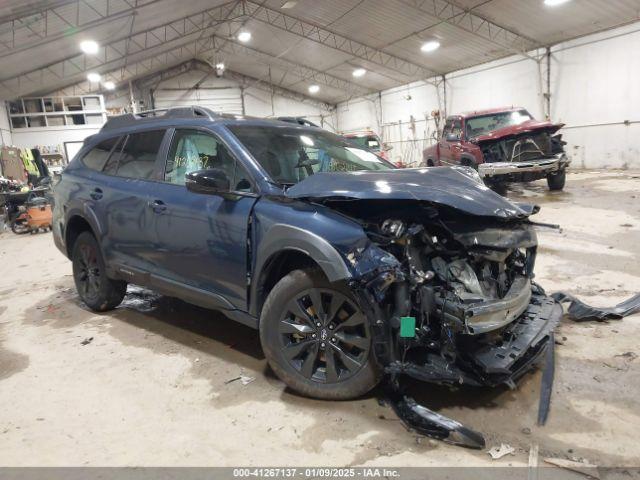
(503, 145)
(352, 270)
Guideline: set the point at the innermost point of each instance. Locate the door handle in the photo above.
(158, 206)
(96, 194)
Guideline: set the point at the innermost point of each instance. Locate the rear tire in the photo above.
(99, 292)
(316, 338)
(556, 181)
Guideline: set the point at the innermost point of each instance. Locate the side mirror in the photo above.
(212, 180)
(452, 137)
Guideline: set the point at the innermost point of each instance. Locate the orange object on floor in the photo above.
(39, 217)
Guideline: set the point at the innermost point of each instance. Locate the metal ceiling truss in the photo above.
(470, 22)
(72, 17)
(306, 73)
(119, 49)
(202, 48)
(336, 41)
(151, 82)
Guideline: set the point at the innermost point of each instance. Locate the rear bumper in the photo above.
(542, 166)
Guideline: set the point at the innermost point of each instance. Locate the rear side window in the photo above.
(138, 155)
(98, 155)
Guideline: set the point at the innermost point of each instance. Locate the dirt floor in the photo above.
(152, 383)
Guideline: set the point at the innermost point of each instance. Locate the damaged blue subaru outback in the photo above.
(349, 268)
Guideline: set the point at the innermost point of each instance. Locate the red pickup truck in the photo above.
(503, 145)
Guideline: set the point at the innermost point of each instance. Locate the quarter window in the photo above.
(138, 156)
(98, 155)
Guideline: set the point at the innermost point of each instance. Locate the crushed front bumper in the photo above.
(541, 166)
(497, 360)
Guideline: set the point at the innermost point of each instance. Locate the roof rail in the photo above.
(130, 119)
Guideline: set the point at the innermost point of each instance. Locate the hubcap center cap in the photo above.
(323, 334)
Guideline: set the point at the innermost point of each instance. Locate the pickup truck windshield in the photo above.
(477, 126)
(290, 155)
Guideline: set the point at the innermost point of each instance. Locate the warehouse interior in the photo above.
(160, 382)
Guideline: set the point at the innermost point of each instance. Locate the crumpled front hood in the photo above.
(526, 127)
(449, 186)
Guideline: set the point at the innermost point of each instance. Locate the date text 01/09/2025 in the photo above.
(315, 472)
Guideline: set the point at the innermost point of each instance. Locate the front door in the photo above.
(201, 239)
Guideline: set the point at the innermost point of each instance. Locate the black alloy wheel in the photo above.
(95, 288)
(324, 336)
(88, 274)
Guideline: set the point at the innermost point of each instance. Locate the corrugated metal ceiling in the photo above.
(393, 27)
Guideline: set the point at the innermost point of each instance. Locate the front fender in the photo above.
(288, 237)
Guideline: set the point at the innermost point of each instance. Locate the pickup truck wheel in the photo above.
(99, 292)
(557, 180)
(316, 338)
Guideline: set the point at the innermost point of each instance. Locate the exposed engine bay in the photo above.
(523, 148)
(455, 291)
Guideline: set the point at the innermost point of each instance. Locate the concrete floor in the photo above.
(150, 388)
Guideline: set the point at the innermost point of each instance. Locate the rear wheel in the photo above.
(99, 292)
(556, 181)
(316, 338)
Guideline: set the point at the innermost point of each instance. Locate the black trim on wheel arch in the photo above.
(286, 237)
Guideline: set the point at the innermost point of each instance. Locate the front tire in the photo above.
(99, 292)
(556, 181)
(316, 338)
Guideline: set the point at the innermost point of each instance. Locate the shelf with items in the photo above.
(35, 112)
(53, 157)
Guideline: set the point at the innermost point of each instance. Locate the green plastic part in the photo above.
(407, 327)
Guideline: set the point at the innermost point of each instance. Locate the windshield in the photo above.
(290, 155)
(477, 126)
(371, 142)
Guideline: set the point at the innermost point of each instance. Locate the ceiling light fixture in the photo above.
(89, 46)
(220, 66)
(94, 77)
(314, 88)
(430, 46)
(109, 85)
(358, 72)
(554, 3)
(244, 36)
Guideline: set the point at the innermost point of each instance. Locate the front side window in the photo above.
(98, 155)
(138, 156)
(453, 127)
(193, 150)
(290, 155)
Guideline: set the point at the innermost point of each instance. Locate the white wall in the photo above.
(48, 136)
(593, 90)
(5, 126)
(402, 116)
(226, 95)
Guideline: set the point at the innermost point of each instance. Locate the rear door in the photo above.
(201, 239)
(125, 201)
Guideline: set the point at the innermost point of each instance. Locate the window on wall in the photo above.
(138, 156)
(98, 155)
(193, 150)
